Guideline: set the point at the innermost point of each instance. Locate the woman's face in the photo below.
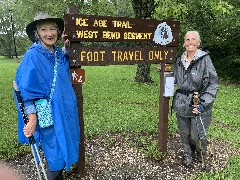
(191, 42)
(47, 32)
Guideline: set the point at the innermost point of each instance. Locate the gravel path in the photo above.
(109, 157)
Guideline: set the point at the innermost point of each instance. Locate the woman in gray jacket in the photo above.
(197, 84)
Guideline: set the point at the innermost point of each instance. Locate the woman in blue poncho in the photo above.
(35, 77)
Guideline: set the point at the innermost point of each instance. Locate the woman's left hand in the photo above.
(65, 40)
(199, 109)
(195, 111)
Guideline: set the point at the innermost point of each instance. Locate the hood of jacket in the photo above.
(40, 48)
(198, 55)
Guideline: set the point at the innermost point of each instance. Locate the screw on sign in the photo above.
(77, 75)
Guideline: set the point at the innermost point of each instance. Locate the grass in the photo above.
(9, 146)
(113, 102)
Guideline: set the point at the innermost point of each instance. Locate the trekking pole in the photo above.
(214, 161)
(32, 140)
(195, 104)
(200, 143)
(210, 149)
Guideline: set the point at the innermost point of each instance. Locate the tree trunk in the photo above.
(143, 9)
(143, 73)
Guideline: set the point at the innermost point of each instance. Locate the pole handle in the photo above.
(25, 118)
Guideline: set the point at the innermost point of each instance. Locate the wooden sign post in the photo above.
(160, 37)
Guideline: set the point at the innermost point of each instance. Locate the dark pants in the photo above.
(54, 175)
(192, 130)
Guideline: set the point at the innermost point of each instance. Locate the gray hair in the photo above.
(36, 37)
(194, 32)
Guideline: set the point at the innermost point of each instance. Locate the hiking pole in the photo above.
(200, 143)
(195, 104)
(210, 149)
(32, 140)
(214, 161)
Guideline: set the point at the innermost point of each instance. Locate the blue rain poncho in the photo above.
(34, 76)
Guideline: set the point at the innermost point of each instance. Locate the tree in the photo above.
(217, 21)
(5, 30)
(143, 9)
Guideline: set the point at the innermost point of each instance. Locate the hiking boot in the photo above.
(193, 151)
(187, 161)
(199, 157)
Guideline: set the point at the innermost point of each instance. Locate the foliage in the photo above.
(150, 148)
(23, 12)
(213, 19)
(217, 21)
(9, 147)
(228, 116)
(143, 9)
(127, 97)
(228, 68)
(5, 29)
(170, 9)
(231, 172)
(143, 73)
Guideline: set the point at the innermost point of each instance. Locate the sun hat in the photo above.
(42, 16)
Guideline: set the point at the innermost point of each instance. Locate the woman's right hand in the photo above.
(65, 41)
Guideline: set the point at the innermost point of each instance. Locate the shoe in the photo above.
(193, 155)
(199, 158)
(187, 161)
(193, 151)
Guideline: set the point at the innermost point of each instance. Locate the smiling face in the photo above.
(47, 33)
(191, 42)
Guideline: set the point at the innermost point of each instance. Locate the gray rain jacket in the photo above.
(200, 76)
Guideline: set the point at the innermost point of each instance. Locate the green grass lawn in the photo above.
(113, 102)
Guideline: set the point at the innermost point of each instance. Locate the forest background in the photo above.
(217, 21)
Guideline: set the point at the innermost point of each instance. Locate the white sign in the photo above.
(169, 87)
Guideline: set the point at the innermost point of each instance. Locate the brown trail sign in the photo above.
(119, 29)
(96, 56)
(161, 38)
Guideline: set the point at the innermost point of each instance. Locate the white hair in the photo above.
(194, 32)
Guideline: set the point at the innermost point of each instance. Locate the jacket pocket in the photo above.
(181, 104)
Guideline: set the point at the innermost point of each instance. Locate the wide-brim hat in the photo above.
(42, 16)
